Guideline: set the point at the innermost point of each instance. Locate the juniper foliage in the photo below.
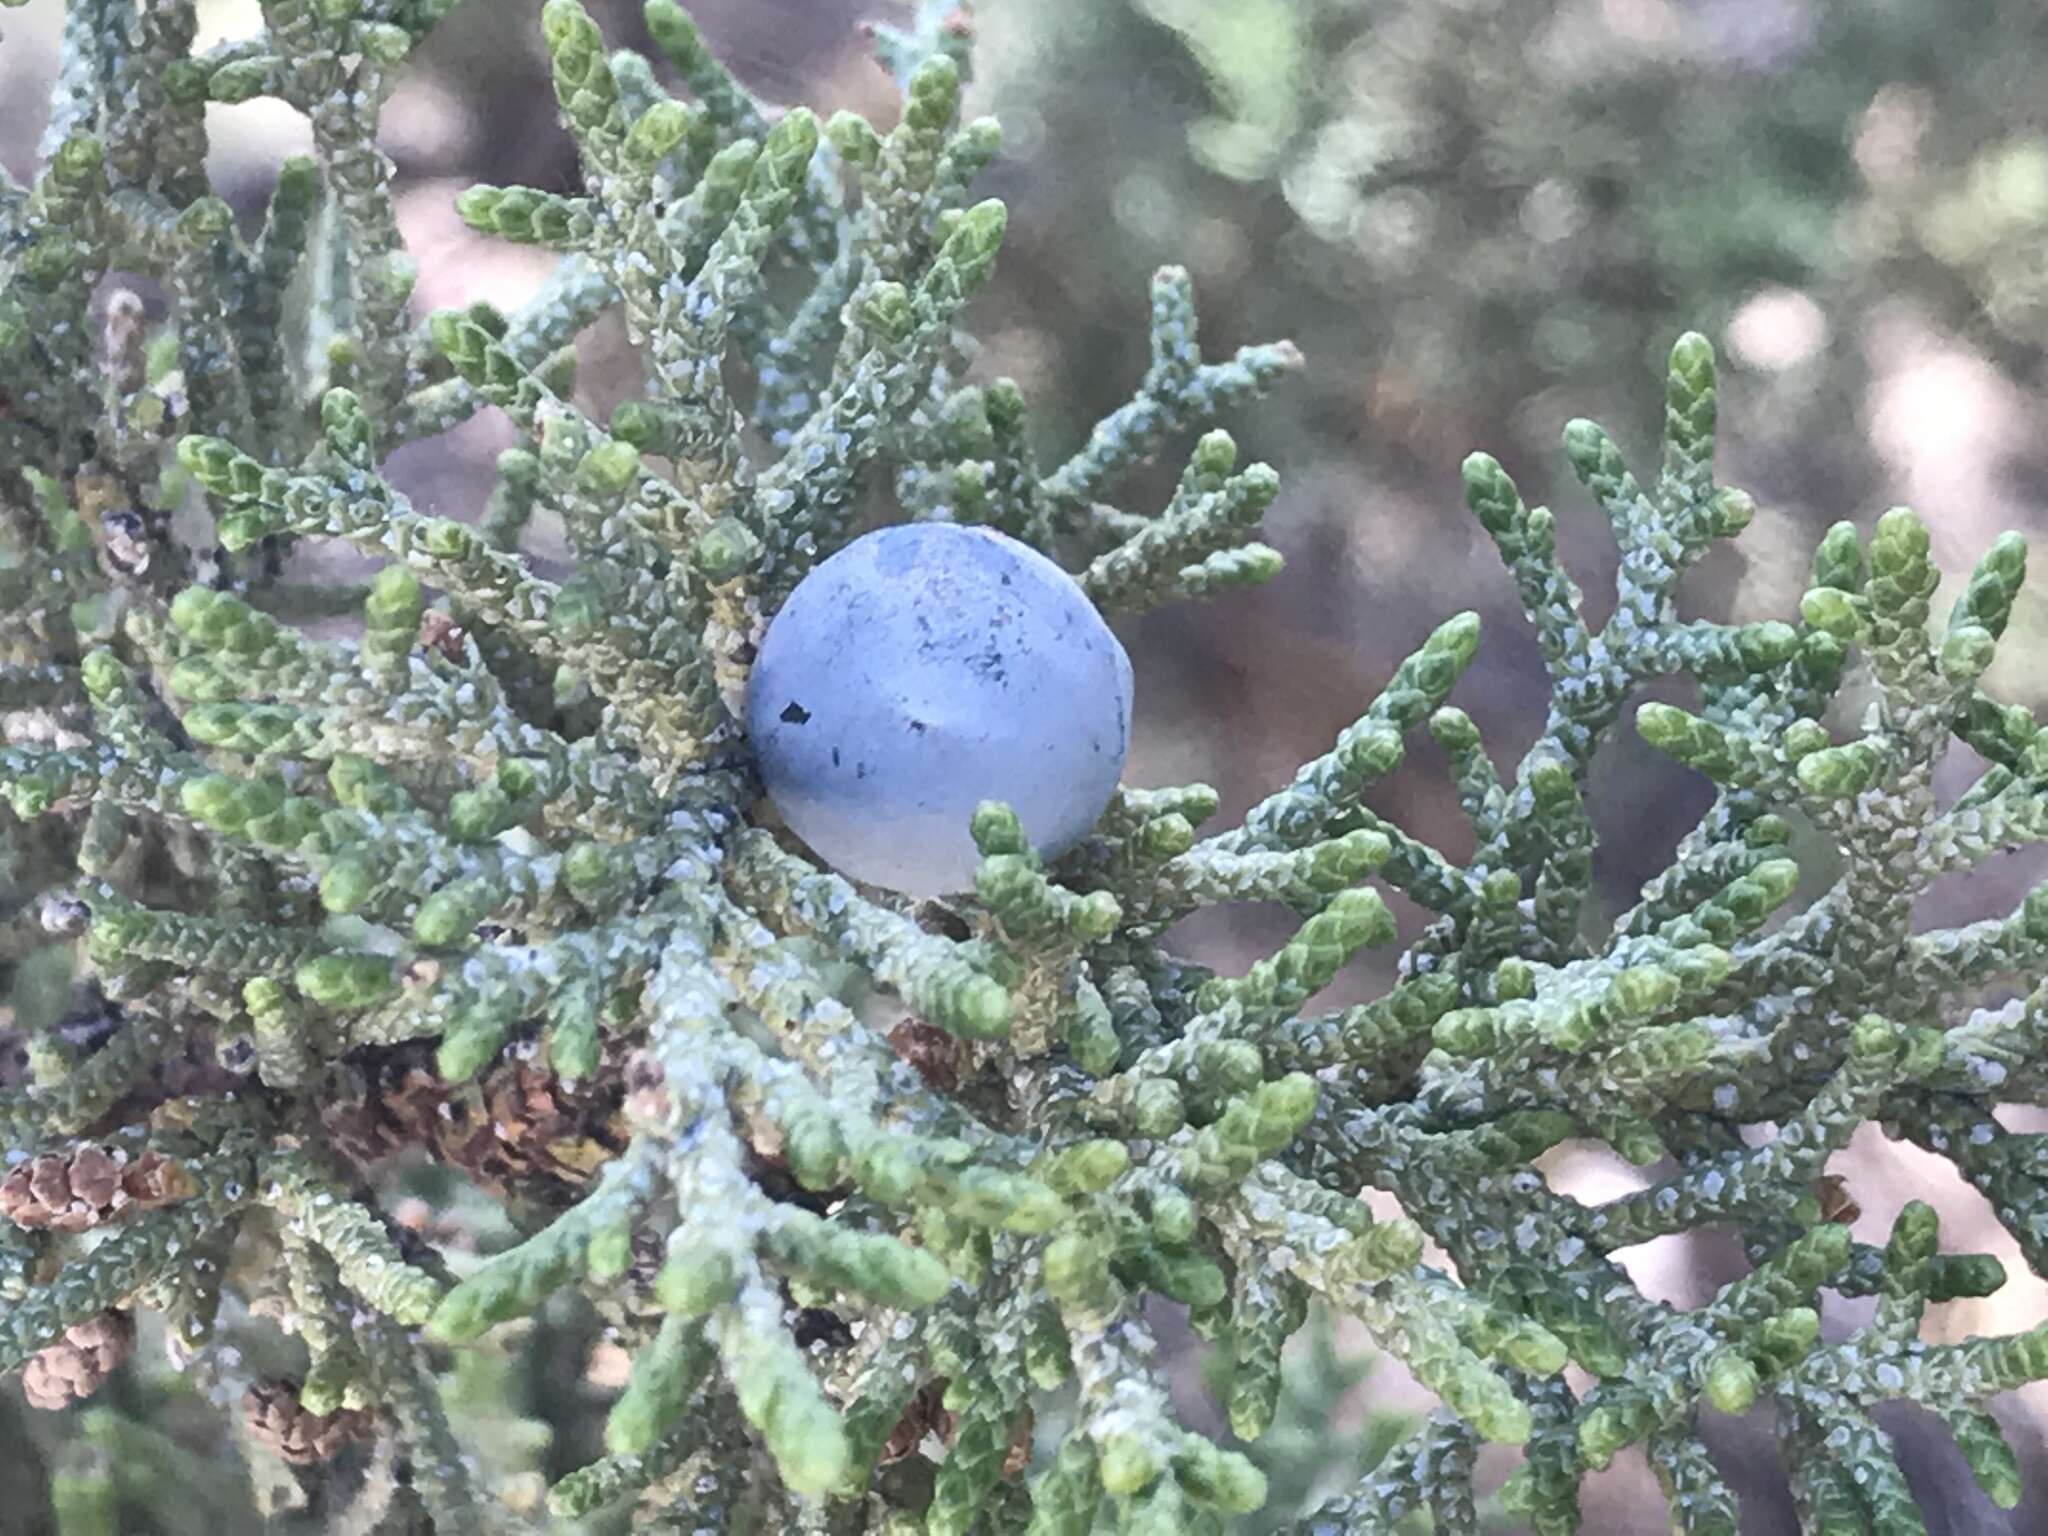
(862, 1191)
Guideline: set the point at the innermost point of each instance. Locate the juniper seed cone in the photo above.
(277, 1421)
(89, 1185)
(72, 1369)
(514, 1127)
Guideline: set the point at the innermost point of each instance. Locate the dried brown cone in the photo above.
(280, 1424)
(74, 1366)
(517, 1127)
(393, 1105)
(89, 1185)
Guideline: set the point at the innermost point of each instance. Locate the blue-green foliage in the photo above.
(860, 1190)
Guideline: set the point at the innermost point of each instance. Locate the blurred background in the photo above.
(1479, 218)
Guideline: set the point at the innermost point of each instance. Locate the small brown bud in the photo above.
(440, 632)
(934, 1053)
(122, 334)
(647, 1097)
(1019, 1455)
(1836, 1203)
(925, 1414)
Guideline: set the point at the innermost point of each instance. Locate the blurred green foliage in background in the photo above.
(1482, 201)
(1484, 217)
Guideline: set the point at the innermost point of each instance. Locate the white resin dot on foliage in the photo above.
(924, 669)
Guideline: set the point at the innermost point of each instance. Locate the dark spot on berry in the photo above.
(919, 726)
(835, 757)
(860, 770)
(989, 663)
(794, 713)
